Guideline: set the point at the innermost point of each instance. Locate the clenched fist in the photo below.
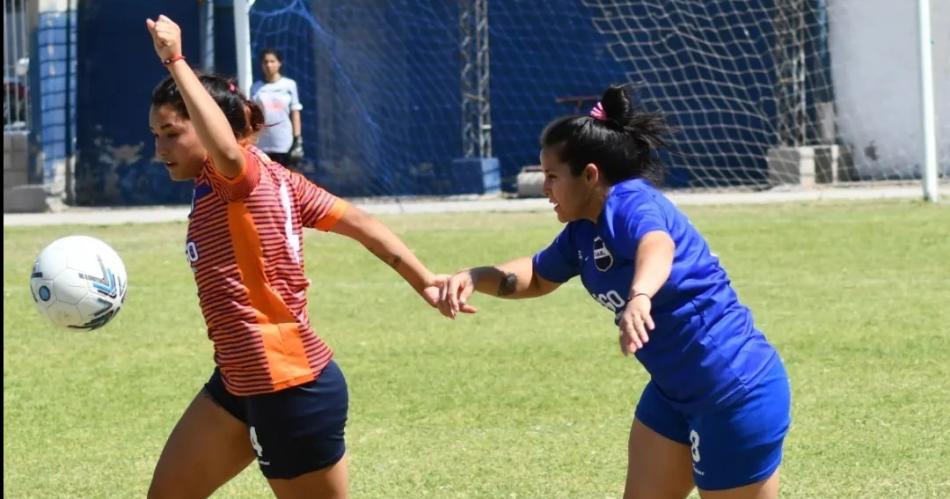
(166, 36)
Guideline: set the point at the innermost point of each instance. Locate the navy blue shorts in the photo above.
(734, 446)
(292, 431)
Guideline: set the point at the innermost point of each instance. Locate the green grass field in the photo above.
(524, 399)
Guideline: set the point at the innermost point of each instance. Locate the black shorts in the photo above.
(293, 431)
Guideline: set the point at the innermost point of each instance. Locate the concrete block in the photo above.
(846, 169)
(25, 199)
(14, 178)
(805, 165)
(531, 182)
(17, 161)
(18, 141)
(791, 165)
(826, 164)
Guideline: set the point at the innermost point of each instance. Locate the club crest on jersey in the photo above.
(603, 260)
(191, 251)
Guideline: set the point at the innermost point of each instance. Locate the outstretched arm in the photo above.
(380, 241)
(514, 279)
(209, 121)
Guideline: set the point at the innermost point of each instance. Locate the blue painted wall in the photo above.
(380, 87)
(54, 92)
(117, 70)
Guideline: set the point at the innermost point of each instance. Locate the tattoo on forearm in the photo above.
(395, 261)
(508, 284)
(392, 260)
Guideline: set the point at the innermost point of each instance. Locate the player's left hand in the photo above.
(166, 37)
(635, 324)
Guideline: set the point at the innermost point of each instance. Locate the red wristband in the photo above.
(176, 58)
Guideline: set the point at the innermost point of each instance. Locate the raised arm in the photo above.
(514, 279)
(209, 121)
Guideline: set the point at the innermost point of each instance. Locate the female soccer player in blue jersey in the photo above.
(716, 410)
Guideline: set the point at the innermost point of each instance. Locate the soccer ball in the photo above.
(78, 282)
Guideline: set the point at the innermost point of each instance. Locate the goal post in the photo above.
(927, 114)
(242, 44)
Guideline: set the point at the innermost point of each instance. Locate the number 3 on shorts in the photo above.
(255, 444)
(693, 440)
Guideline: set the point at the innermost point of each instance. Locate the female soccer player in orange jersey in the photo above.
(275, 394)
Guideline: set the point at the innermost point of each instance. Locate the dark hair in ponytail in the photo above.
(622, 140)
(244, 116)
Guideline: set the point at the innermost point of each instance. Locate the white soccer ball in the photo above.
(78, 282)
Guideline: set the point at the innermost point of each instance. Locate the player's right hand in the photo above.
(166, 37)
(455, 294)
(432, 289)
(635, 324)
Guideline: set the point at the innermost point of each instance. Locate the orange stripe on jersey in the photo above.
(333, 216)
(286, 356)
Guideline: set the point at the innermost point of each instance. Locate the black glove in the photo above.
(296, 150)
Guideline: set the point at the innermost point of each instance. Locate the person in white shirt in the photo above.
(277, 96)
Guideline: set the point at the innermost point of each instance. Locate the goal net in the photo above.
(764, 93)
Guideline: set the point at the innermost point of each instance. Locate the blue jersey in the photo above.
(705, 351)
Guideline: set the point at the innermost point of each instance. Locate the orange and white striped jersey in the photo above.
(245, 248)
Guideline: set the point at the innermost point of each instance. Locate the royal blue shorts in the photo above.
(293, 431)
(734, 446)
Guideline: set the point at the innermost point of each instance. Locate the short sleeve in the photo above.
(631, 217)
(239, 187)
(294, 97)
(319, 209)
(558, 262)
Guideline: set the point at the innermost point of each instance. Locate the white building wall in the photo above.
(876, 70)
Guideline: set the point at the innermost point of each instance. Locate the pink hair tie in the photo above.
(231, 87)
(598, 112)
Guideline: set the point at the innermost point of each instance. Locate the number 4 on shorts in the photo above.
(255, 444)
